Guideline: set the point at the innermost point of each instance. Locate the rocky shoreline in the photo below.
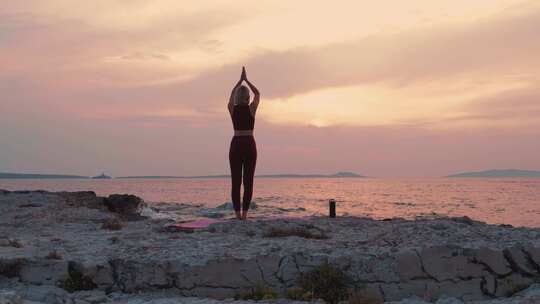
(76, 247)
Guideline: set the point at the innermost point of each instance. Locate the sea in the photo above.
(513, 201)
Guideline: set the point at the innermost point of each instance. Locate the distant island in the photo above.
(336, 175)
(499, 173)
(102, 176)
(38, 176)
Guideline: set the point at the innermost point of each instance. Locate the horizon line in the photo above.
(340, 174)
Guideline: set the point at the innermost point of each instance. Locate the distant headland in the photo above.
(499, 173)
(104, 176)
(335, 175)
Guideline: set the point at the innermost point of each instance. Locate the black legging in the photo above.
(243, 153)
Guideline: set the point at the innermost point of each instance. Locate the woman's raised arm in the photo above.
(230, 105)
(255, 103)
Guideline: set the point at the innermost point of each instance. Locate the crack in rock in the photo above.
(423, 268)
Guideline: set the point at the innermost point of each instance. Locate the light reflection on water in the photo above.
(509, 201)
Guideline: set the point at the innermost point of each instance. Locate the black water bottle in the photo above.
(332, 206)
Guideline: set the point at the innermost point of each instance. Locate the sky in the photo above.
(413, 88)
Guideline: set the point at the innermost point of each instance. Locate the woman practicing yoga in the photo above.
(243, 152)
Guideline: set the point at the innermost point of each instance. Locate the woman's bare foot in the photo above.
(238, 215)
(244, 214)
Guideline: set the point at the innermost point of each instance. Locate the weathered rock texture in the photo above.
(386, 260)
(124, 204)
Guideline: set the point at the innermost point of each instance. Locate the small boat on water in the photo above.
(102, 176)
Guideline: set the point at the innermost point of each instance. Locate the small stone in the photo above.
(512, 284)
(489, 285)
(518, 257)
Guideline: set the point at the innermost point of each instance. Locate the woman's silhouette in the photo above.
(243, 151)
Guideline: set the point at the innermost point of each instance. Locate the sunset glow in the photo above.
(140, 87)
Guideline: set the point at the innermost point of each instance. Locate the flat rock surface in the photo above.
(76, 227)
(43, 222)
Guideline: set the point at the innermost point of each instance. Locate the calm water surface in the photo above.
(510, 201)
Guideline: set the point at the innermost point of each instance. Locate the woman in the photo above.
(243, 152)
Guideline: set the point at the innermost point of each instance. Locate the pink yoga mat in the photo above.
(198, 224)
